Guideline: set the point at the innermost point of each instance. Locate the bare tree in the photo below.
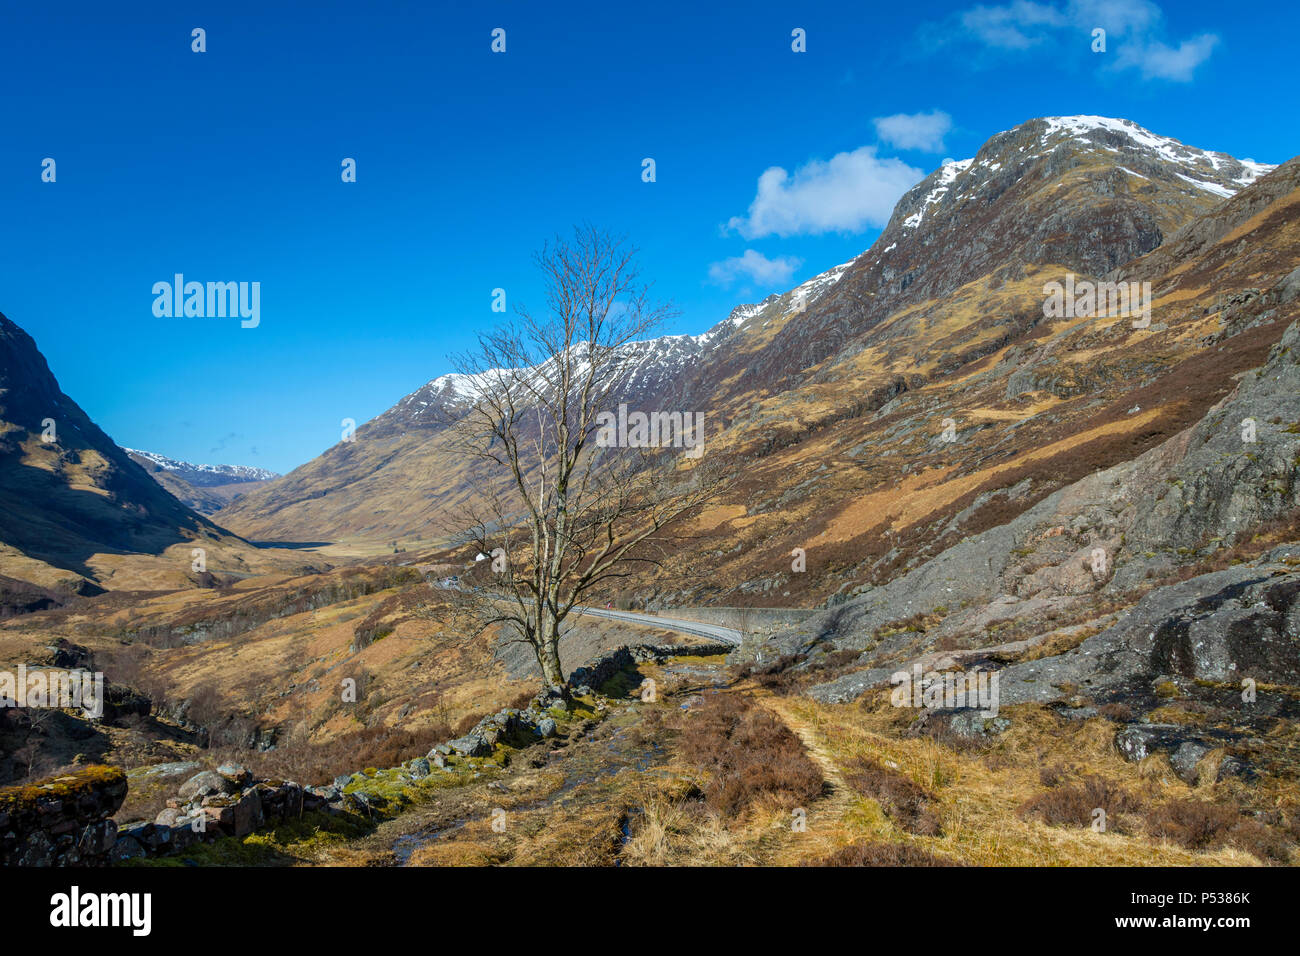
(560, 514)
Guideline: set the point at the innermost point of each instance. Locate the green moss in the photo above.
(287, 842)
(620, 685)
(95, 776)
(1167, 689)
(518, 739)
(398, 792)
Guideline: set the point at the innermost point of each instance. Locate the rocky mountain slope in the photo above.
(1084, 194)
(66, 490)
(1104, 539)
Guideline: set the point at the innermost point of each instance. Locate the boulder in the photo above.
(248, 812)
(37, 850)
(237, 774)
(205, 783)
(471, 745)
(1136, 742)
(125, 848)
(174, 768)
(169, 817)
(316, 798)
(1185, 758)
(965, 722)
(121, 702)
(184, 834)
(1231, 766)
(154, 838)
(60, 820)
(234, 814)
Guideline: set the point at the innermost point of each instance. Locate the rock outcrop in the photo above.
(63, 820)
(1226, 627)
(1203, 488)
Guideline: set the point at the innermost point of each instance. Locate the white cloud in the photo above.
(1117, 17)
(756, 266)
(847, 193)
(1157, 60)
(1133, 28)
(1011, 27)
(914, 130)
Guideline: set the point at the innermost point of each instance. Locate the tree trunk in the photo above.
(548, 655)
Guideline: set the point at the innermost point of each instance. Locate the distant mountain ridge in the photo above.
(204, 475)
(204, 488)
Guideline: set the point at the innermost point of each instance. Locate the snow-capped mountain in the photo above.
(1081, 194)
(202, 475)
(651, 368)
(648, 368)
(1004, 204)
(1057, 142)
(1121, 136)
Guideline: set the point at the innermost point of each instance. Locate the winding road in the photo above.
(727, 635)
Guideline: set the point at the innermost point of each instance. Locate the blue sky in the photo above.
(225, 166)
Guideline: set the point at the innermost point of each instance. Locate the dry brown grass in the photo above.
(747, 755)
(905, 802)
(1199, 825)
(884, 854)
(1059, 642)
(977, 794)
(313, 763)
(1077, 805)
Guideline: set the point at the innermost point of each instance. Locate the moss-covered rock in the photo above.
(62, 819)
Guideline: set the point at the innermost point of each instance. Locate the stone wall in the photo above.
(744, 619)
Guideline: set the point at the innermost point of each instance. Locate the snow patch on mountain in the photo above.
(647, 365)
(204, 474)
(819, 285)
(1239, 172)
(948, 173)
